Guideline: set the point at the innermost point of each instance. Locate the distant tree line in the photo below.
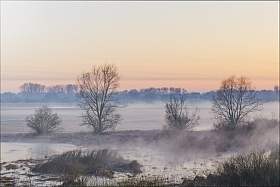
(33, 88)
(163, 94)
(34, 92)
(38, 93)
(231, 105)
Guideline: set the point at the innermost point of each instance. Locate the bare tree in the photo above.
(177, 115)
(44, 121)
(30, 88)
(235, 99)
(57, 89)
(97, 97)
(71, 88)
(276, 88)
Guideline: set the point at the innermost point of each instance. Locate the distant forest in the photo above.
(38, 93)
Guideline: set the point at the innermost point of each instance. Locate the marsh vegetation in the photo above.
(172, 159)
(238, 150)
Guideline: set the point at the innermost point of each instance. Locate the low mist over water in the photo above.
(14, 151)
(137, 116)
(139, 137)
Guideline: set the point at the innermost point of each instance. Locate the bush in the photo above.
(145, 181)
(177, 115)
(96, 162)
(253, 169)
(44, 121)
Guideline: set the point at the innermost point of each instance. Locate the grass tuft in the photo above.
(254, 169)
(96, 162)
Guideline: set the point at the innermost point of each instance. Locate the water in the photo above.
(11, 151)
(153, 162)
(135, 116)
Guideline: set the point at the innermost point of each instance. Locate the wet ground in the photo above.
(17, 158)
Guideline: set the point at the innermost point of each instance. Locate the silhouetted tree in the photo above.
(97, 97)
(57, 89)
(71, 88)
(44, 121)
(32, 88)
(177, 116)
(276, 89)
(235, 99)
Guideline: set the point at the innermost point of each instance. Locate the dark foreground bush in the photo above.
(254, 169)
(137, 181)
(97, 162)
(145, 181)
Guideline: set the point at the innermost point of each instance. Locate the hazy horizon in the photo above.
(120, 90)
(192, 45)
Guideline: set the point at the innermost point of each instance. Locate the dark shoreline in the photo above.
(82, 138)
(87, 138)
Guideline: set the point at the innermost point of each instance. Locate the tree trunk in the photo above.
(100, 126)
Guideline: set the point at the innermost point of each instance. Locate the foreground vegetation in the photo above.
(256, 168)
(96, 162)
(253, 169)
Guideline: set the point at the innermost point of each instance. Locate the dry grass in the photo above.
(96, 162)
(253, 169)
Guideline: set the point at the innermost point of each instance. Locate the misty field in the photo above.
(143, 116)
(139, 137)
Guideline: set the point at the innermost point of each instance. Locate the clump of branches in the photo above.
(96, 162)
(44, 121)
(145, 181)
(233, 102)
(253, 169)
(177, 115)
(98, 99)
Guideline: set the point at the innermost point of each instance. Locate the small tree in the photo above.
(235, 99)
(44, 121)
(97, 97)
(177, 116)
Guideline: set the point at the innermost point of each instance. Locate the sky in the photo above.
(192, 45)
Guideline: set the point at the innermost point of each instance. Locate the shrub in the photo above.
(44, 121)
(177, 115)
(96, 162)
(145, 181)
(253, 169)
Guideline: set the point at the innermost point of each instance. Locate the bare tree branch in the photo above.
(235, 99)
(97, 97)
(44, 121)
(177, 114)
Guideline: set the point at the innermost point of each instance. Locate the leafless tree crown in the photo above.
(44, 121)
(177, 115)
(235, 99)
(97, 98)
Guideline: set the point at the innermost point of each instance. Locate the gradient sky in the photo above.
(193, 45)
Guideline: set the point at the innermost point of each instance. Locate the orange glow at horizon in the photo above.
(192, 45)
